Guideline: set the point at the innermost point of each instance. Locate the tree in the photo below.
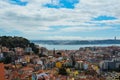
(12, 42)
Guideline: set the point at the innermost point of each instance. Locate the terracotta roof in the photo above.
(27, 68)
(40, 71)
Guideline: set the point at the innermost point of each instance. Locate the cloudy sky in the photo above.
(60, 19)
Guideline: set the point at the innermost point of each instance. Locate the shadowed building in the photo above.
(28, 50)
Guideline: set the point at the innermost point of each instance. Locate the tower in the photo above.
(54, 52)
(115, 38)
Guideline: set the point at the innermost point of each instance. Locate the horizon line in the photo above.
(75, 40)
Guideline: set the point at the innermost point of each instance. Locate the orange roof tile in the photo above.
(27, 68)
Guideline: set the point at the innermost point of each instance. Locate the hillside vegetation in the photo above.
(12, 42)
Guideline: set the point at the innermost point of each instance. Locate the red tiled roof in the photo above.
(27, 68)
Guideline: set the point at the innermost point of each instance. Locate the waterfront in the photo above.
(73, 47)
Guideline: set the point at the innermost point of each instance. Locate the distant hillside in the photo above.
(75, 42)
(12, 42)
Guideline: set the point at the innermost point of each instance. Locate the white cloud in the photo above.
(84, 29)
(100, 7)
(55, 2)
(36, 19)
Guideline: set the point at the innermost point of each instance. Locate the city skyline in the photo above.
(60, 19)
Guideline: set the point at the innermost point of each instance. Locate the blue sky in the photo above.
(18, 2)
(60, 19)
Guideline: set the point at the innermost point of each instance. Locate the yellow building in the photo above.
(27, 59)
(58, 64)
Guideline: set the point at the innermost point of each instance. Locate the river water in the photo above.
(74, 47)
